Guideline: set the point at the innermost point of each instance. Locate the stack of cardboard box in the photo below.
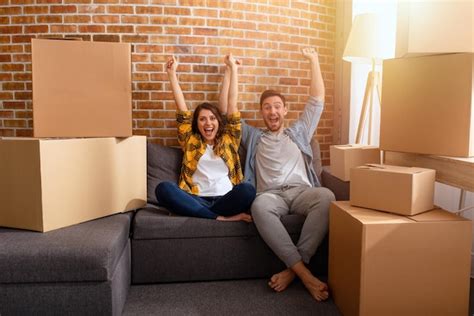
(57, 179)
(391, 251)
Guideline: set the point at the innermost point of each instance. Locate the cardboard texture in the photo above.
(387, 264)
(344, 157)
(419, 30)
(400, 190)
(428, 112)
(81, 89)
(49, 184)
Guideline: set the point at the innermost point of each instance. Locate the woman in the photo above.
(211, 174)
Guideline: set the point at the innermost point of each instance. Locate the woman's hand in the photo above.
(231, 62)
(171, 65)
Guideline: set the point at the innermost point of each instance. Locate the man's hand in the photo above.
(171, 65)
(310, 54)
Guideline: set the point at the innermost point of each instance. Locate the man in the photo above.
(279, 164)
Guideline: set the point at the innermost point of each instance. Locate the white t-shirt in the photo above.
(279, 162)
(212, 174)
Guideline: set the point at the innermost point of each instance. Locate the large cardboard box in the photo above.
(47, 184)
(387, 264)
(427, 105)
(420, 30)
(344, 157)
(81, 89)
(400, 190)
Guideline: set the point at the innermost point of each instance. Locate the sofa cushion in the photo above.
(84, 252)
(163, 164)
(155, 223)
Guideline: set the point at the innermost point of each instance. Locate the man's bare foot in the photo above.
(280, 281)
(318, 289)
(235, 218)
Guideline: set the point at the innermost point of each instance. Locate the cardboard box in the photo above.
(387, 264)
(48, 184)
(81, 89)
(419, 30)
(401, 190)
(428, 105)
(344, 157)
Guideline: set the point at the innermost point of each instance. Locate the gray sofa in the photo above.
(88, 268)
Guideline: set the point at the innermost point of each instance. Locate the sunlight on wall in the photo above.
(386, 12)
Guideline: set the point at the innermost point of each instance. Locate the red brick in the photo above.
(63, 28)
(106, 38)
(9, 29)
(77, 19)
(5, 76)
(12, 104)
(23, 95)
(91, 29)
(168, 20)
(135, 38)
(24, 132)
(149, 10)
(6, 114)
(191, 21)
(177, 11)
(120, 29)
(35, 9)
(106, 19)
(120, 9)
(92, 8)
(134, 19)
(192, 40)
(177, 49)
(10, 10)
(25, 19)
(36, 29)
(205, 50)
(7, 132)
(12, 67)
(205, 31)
(63, 9)
(150, 105)
(149, 29)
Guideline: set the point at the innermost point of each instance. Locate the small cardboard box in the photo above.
(401, 190)
(344, 157)
(47, 184)
(387, 264)
(426, 113)
(81, 89)
(419, 30)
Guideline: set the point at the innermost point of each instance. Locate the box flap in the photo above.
(394, 169)
(437, 215)
(367, 216)
(354, 146)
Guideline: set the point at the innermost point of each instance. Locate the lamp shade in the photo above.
(363, 43)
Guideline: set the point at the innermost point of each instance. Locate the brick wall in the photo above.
(266, 34)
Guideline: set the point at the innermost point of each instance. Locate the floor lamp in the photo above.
(362, 47)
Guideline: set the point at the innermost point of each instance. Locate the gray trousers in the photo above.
(313, 203)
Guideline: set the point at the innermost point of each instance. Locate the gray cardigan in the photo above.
(300, 132)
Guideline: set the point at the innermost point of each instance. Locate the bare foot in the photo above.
(280, 281)
(239, 217)
(318, 289)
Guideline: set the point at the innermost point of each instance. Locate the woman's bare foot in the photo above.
(235, 218)
(318, 289)
(280, 281)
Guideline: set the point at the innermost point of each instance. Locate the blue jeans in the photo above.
(235, 201)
